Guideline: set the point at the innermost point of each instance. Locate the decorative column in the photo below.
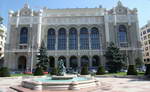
(67, 41)
(102, 60)
(78, 40)
(18, 19)
(56, 40)
(90, 49)
(56, 59)
(106, 21)
(9, 27)
(79, 61)
(39, 28)
(67, 62)
(79, 57)
(131, 57)
(67, 58)
(89, 40)
(31, 19)
(90, 61)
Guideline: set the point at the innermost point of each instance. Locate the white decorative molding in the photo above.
(122, 18)
(72, 20)
(24, 20)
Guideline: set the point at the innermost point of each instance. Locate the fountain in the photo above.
(61, 81)
(61, 75)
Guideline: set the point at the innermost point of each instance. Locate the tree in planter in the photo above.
(132, 70)
(42, 57)
(84, 70)
(54, 71)
(138, 62)
(115, 60)
(4, 72)
(147, 72)
(100, 70)
(38, 71)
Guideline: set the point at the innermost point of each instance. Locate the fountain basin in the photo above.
(66, 77)
(71, 84)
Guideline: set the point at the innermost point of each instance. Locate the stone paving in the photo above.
(107, 85)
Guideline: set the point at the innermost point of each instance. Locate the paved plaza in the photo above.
(108, 84)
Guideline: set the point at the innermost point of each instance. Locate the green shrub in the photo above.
(147, 72)
(100, 70)
(38, 71)
(54, 71)
(4, 72)
(132, 70)
(84, 70)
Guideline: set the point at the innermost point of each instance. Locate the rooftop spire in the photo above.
(26, 5)
(119, 3)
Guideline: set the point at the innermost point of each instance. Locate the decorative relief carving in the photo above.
(76, 20)
(25, 20)
(122, 18)
(25, 11)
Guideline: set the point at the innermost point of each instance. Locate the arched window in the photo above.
(73, 39)
(24, 35)
(51, 39)
(95, 39)
(62, 39)
(84, 38)
(122, 35)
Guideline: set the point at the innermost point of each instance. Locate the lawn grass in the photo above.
(116, 74)
(123, 74)
(108, 74)
(18, 75)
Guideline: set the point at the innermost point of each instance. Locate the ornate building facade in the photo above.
(79, 36)
(3, 30)
(145, 39)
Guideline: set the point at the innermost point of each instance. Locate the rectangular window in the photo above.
(145, 42)
(145, 37)
(148, 30)
(148, 35)
(144, 32)
(149, 41)
(146, 48)
(147, 54)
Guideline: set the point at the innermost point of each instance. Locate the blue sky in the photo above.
(143, 6)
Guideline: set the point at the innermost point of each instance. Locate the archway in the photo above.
(52, 61)
(22, 61)
(84, 61)
(63, 58)
(73, 62)
(95, 61)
